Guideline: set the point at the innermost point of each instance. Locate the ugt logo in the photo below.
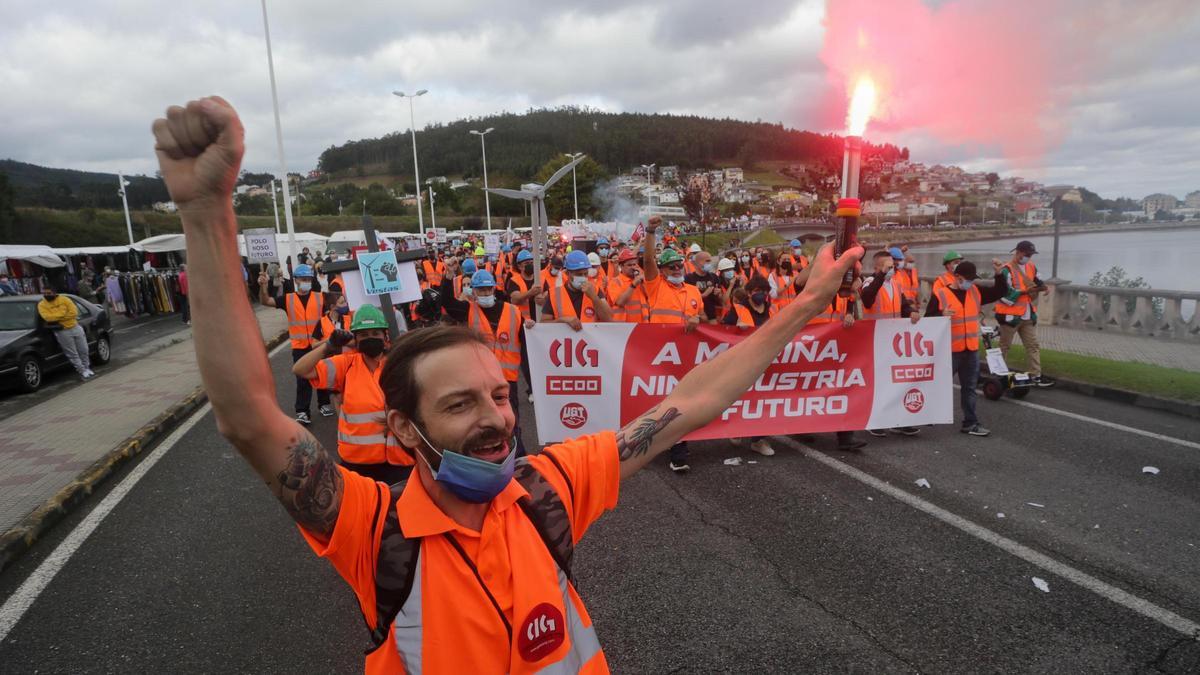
(907, 344)
(570, 352)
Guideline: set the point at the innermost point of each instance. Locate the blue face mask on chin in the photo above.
(472, 480)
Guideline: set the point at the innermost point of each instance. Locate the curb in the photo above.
(22, 536)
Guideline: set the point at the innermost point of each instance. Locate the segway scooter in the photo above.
(999, 378)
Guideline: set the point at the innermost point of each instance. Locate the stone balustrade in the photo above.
(1156, 313)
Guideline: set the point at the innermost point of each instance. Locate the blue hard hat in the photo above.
(796, 243)
(302, 271)
(483, 279)
(524, 255)
(576, 260)
(468, 266)
(896, 253)
(602, 242)
(506, 248)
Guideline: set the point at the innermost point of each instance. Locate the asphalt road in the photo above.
(131, 339)
(801, 562)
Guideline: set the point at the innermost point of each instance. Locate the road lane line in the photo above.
(1104, 423)
(1129, 601)
(1111, 425)
(23, 598)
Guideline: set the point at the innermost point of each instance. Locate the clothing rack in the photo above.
(138, 293)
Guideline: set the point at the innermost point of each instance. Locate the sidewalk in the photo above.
(46, 448)
(1118, 347)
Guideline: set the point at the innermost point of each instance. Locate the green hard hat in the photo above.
(368, 317)
(951, 256)
(669, 256)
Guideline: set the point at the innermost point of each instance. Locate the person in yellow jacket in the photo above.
(60, 314)
(364, 444)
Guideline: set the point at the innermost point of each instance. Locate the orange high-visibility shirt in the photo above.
(449, 624)
(363, 437)
(672, 304)
(634, 310)
(303, 318)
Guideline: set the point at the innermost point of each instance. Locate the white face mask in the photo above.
(745, 260)
(798, 252)
(486, 301)
(900, 265)
(1023, 260)
(966, 284)
(889, 274)
(554, 271)
(578, 282)
(709, 268)
(676, 279)
(467, 292)
(595, 271)
(304, 286)
(728, 275)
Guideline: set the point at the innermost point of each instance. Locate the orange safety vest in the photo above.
(634, 310)
(551, 280)
(744, 316)
(336, 280)
(785, 292)
(563, 307)
(946, 280)
(887, 302)
(910, 283)
(303, 318)
(502, 269)
(964, 318)
(523, 286)
(672, 305)
(363, 437)
(327, 325)
(505, 338)
(834, 311)
(1019, 280)
(434, 273)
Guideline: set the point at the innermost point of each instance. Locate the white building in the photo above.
(669, 174)
(665, 211)
(1158, 202)
(1039, 216)
(1192, 200)
(881, 209)
(734, 175)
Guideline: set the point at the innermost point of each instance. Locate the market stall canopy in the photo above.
(34, 253)
(161, 243)
(92, 250)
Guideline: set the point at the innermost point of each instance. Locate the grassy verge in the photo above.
(1139, 377)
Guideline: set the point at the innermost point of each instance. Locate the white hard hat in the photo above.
(694, 249)
(725, 264)
(594, 259)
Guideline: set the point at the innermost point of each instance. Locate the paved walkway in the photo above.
(44, 448)
(1117, 347)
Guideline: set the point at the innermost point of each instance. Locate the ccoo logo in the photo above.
(914, 400)
(542, 633)
(907, 344)
(570, 352)
(573, 415)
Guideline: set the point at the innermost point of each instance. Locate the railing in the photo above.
(1146, 312)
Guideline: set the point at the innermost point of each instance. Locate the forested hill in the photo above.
(35, 185)
(522, 143)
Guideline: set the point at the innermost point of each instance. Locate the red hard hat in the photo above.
(626, 254)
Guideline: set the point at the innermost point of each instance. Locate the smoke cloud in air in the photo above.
(994, 73)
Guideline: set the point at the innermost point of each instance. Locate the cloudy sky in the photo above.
(81, 81)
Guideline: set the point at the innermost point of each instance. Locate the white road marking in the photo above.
(23, 598)
(1111, 425)
(1104, 423)
(1144, 607)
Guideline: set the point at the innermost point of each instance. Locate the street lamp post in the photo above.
(648, 168)
(487, 202)
(275, 206)
(412, 128)
(432, 216)
(121, 182)
(574, 185)
(287, 198)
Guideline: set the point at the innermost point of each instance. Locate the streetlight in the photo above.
(287, 194)
(275, 206)
(121, 183)
(487, 202)
(412, 127)
(432, 216)
(648, 168)
(574, 185)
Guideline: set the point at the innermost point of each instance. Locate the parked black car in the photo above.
(28, 349)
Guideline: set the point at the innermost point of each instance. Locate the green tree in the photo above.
(8, 211)
(257, 205)
(560, 198)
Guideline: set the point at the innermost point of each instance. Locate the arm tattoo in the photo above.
(310, 486)
(635, 441)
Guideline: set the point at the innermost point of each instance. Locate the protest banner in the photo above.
(874, 375)
(261, 245)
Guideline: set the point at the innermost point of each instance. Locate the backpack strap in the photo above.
(395, 569)
(546, 510)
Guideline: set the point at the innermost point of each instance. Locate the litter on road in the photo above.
(1150, 469)
(922, 482)
(1040, 506)
(733, 461)
(1041, 584)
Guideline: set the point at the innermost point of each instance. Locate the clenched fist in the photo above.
(199, 150)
